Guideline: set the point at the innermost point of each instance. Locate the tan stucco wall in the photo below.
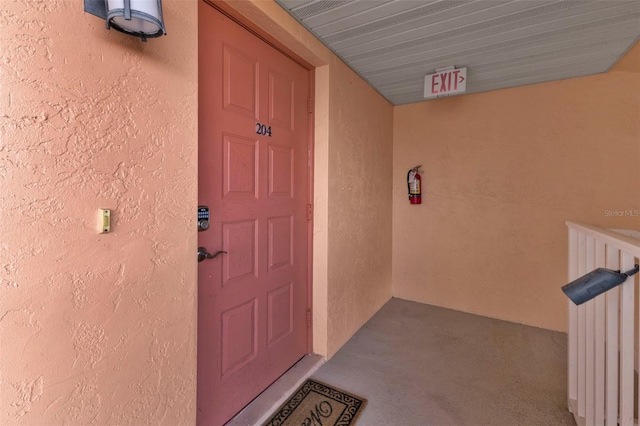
(503, 171)
(97, 328)
(360, 206)
(353, 183)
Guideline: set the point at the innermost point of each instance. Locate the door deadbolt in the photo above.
(203, 218)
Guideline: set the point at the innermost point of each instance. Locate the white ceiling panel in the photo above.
(475, 50)
(393, 44)
(343, 13)
(507, 55)
(371, 14)
(590, 46)
(529, 27)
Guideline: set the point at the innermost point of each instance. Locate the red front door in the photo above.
(254, 176)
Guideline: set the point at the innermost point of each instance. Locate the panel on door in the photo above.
(254, 176)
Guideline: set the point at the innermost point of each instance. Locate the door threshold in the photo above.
(261, 408)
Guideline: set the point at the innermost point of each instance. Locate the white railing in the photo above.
(602, 332)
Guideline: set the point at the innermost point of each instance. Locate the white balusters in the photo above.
(573, 321)
(612, 298)
(626, 342)
(601, 340)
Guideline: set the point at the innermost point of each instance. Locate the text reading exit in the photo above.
(445, 82)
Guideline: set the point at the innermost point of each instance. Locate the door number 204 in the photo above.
(261, 129)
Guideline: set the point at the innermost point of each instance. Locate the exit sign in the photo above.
(445, 82)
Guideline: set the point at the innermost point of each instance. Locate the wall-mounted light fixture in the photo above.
(595, 283)
(138, 18)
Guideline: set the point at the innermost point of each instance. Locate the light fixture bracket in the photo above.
(96, 8)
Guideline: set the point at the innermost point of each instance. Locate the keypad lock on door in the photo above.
(203, 218)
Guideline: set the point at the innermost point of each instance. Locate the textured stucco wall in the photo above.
(96, 328)
(352, 184)
(360, 204)
(503, 171)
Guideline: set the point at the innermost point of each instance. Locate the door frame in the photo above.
(232, 14)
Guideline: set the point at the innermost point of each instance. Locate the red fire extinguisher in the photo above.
(414, 184)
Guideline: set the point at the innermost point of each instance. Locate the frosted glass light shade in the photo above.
(140, 18)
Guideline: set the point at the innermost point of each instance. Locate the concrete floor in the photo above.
(419, 365)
